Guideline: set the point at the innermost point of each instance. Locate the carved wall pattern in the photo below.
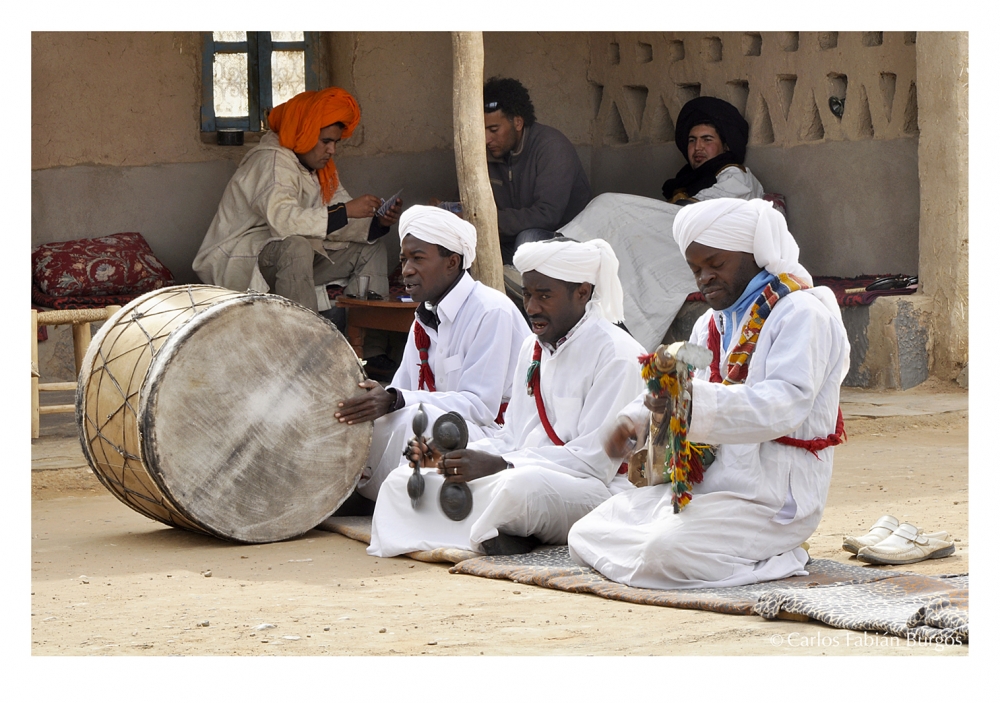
(781, 82)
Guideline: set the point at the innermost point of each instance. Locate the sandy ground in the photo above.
(108, 581)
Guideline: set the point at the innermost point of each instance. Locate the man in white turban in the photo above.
(546, 467)
(460, 351)
(768, 404)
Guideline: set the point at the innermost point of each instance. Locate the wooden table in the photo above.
(390, 315)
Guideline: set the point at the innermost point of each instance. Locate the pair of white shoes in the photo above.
(891, 542)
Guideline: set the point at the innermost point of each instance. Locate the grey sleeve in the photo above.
(556, 167)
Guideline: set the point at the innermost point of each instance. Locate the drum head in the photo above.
(237, 419)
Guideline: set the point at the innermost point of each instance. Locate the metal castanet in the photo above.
(451, 433)
(415, 484)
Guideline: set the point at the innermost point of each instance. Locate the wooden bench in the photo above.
(80, 319)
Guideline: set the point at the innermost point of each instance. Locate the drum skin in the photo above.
(212, 410)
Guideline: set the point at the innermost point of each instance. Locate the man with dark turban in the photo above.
(287, 224)
(768, 403)
(712, 136)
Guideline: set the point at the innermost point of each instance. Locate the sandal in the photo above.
(878, 532)
(908, 545)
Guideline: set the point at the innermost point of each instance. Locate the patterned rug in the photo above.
(913, 607)
(910, 606)
(360, 529)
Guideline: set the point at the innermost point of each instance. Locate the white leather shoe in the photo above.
(908, 545)
(878, 532)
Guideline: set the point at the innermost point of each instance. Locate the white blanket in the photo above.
(654, 275)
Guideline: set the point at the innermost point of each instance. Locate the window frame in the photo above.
(258, 48)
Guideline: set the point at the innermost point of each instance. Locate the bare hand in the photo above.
(392, 216)
(370, 406)
(365, 206)
(656, 404)
(620, 443)
(419, 453)
(434, 202)
(465, 465)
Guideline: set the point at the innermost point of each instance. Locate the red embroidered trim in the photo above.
(714, 345)
(536, 390)
(814, 446)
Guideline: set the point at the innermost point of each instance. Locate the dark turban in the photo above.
(728, 122)
(733, 130)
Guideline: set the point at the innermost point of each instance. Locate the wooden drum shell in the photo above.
(212, 410)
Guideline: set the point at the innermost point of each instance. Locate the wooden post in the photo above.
(474, 189)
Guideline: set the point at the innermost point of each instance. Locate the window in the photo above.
(245, 74)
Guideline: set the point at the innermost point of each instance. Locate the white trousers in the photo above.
(390, 435)
(522, 501)
(719, 539)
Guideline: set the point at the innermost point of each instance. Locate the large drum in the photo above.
(212, 411)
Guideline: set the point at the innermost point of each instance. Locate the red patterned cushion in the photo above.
(77, 302)
(778, 201)
(120, 264)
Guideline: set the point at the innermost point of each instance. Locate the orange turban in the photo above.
(298, 122)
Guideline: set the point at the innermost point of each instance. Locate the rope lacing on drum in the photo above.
(117, 472)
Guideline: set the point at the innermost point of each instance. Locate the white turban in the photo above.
(436, 225)
(578, 262)
(750, 226)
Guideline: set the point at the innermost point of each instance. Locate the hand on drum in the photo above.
(370, 406)
(464, 465)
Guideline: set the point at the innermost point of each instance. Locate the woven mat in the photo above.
(909, 606)
(360, 529)
(901, 604)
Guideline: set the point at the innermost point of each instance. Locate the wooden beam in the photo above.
(474, 189)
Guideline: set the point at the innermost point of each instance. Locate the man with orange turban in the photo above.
(286, 223)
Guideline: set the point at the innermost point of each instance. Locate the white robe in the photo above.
(759, 500)
(654, 274)
(472, 354)
(589, 378)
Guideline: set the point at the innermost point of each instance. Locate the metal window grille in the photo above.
(244, 74)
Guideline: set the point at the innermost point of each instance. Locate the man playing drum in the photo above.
(545, 468)
(286, 223)
(460, 351)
